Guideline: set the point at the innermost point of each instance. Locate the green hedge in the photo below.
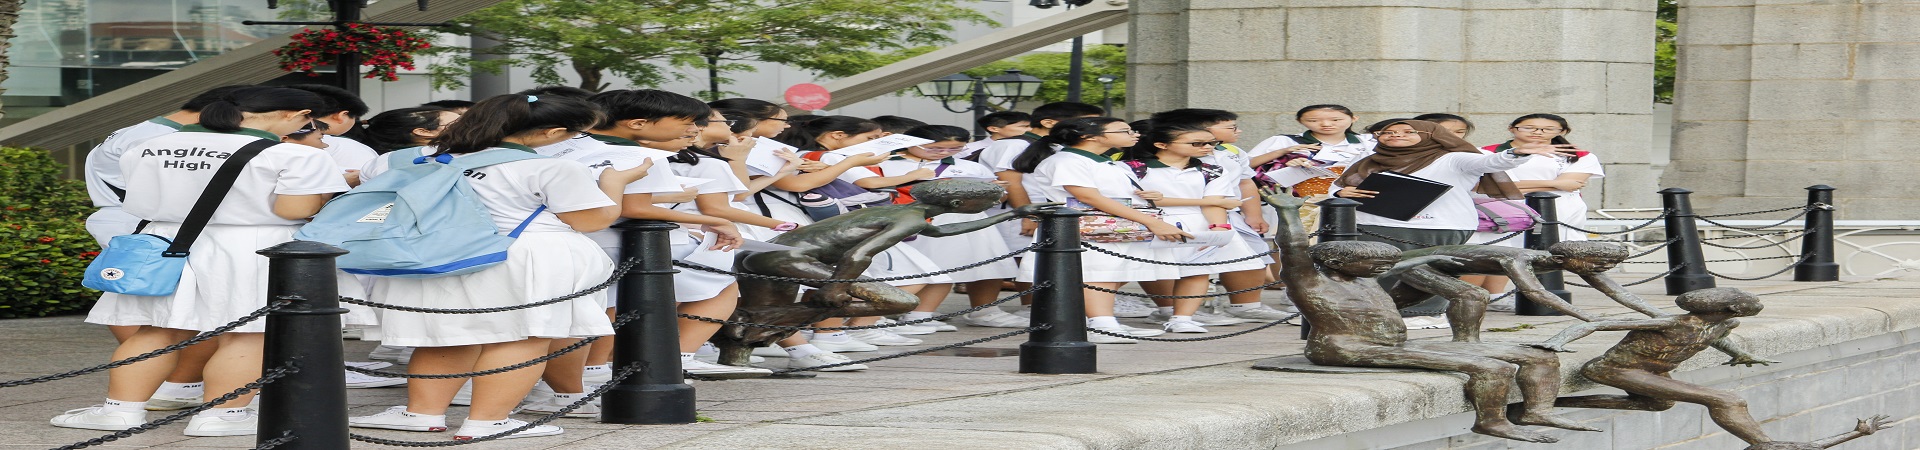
(44, 245)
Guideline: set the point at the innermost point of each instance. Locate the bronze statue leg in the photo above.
(1467, 307)
(1488, 380)
(1728, 410)
(881, 300)
(1538, 374)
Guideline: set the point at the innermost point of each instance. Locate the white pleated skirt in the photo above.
(695, 285)
(224, 280)
(1256, 242)
(1097, 267)
(1234, 248)
(539, 266)
(969, 248)
(903, 260)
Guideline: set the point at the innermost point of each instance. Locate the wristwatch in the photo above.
(786, 226)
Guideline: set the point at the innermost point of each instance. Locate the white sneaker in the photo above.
(1098, 338)
(1184, 326)
(1218, 320)
(1262, 313)
(99, 418)
(1024, 313)
(771, 351)
(397, 418)
(245, 423)
(881, 337)
(847, 346)
(1502, 305)
(552, 405)
(1132, 308)
(995, 319)
(703, 368)
(710, 353)
(169, 403)
(825, 358)
(401, 355)
(356, 380)
(939, 326)
(370, 365)
(904, 330)
(475, 429)
(1142, 332)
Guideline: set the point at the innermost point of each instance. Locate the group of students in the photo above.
(649, 154)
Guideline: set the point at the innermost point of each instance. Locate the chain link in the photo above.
(1637, 283)
(1762, 258)
(1749, 213)
(710, 269)
(198, 338)
(1752, 235)
(1648, 223)
(1769, 244)
(618, 272)
(1782, 270)
(1222, 294)
(618, 376)
(1655, 248)
(266, 378)
(621, 320)
(1803, 213)
(921, 351)
(1198, 339)
(997, 302)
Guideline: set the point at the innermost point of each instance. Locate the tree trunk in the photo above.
(9, 14)
(590, 75)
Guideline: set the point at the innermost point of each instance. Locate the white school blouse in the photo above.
(898, 165)
(1343, 153)
(1076, 167)
(1188, 183)
(512, 191)
(103, 162)
(1454, 209)
(165, 175)
(709, 168)
(347, 153)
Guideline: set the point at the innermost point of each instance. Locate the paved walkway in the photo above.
(817, 412)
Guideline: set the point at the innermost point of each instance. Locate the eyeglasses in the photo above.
(729, 122)
(1538, 130)
(1399, 133)
(940, 149)
(1203, 143)
(1132, 132)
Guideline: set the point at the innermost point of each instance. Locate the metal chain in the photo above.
(710, 269)
(1655, 248)
(920, 351)
(618, 376)
(1803, 213)
(1648, 223)
(1637, 283)
(198, 338)
(621, 320)
(618, 272)
(1782, 270)
(1766, 245)
(266, 378)
(997, 302)
(1222, 294)
(285, 436)
(1790, 208)
(1092, 246)
(1198, 339)
(1752, 235)
(1763, 258)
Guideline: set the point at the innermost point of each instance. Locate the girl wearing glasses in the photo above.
(1558, 174)
(1195, 197)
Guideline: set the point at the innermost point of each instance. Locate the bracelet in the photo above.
(1220, 226)
(786, 226)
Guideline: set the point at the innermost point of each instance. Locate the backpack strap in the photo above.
(1210, 172)
(529, 221)
(210, 198)
(485, 158)
(1499, 223)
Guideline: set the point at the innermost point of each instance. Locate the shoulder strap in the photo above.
(490, 157)
(1137, 170)
(210, 199)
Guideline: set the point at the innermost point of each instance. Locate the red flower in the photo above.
(46, 239)
(43, 261)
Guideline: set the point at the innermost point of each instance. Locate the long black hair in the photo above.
(494, 119)
(806, 130)
(755, 108)
(742, 121)
(225, 112)
(393, 129)
(1065, 134)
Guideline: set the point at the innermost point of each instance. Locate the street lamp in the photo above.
(1009, 87)
(1106, 93)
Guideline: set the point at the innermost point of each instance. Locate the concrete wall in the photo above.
(1489, 60)
(1775, 95)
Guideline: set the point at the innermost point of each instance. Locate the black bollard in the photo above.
(1063, 347)
(1337, 223)
(658, 394)
(1685, 255)
(1544, 234)
(1818, 239)
(311, 402)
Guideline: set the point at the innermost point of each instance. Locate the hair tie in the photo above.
(533, 98)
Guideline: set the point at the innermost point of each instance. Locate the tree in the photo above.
(1666, 25)
(641, 39)
(1051, 68)
(9, 14)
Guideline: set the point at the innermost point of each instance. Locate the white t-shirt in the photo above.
(561, 149)
(599, 156)
(512, 191)
(349, 154)
(1074, 167)
(1454, 209)
(1544, 167)
(1343, 153)
(165, 175)
(103, 162)
(900, 165)
(1188, 183)
(724, 182)
(1234, 160)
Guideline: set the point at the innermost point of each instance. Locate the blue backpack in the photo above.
(420, 219)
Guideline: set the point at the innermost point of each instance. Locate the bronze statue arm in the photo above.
(955, 229)
(1295, 266)
(1559, 342)
(1740, 355)
(1866, 427)
(1605, 284)
(1417, 261)
(1521, 272)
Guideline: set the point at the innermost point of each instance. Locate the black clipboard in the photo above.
(1401, 196)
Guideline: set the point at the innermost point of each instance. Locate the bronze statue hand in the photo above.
(1281, 198)
(1868, 426)
(1749, 361)
(1035, 209)
(1559, 347)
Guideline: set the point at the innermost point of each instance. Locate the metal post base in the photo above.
(1058, 357)
(648, 404)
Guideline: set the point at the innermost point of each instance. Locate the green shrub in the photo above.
(44, 245)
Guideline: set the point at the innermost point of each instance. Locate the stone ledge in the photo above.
(1231, 406)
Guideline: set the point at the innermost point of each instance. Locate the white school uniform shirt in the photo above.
(1547, 167)
(724, 182)
(1343, 153)
(165, 175)
(103, 162)
(973, 147)
(1188, 183)
(1076, 167)
(1232, 159)
(600, 153)
(898, 165)
(1454, 209)
(1000, 155)
(563, 148)
(347, 153)
(513, 191)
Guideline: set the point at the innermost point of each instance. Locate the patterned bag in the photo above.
(1106, 229)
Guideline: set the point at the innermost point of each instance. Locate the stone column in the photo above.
(1776, 95)
(1489, 60)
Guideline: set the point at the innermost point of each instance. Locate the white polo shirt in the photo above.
(103, 162)
(1076, 167)
(347, 153)
(1188, 183)
(1343, 153)
(165, 176)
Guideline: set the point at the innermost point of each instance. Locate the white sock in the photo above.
(1103, 322)
(1250, 305)
(985, 313)
(564, 399)
(1181, 318)
(803, 350)
(241, 411)
(172, 389)
(1168, 310)
(120, 406)
(915, 315)
(684, 357)
(837, 336)
(608, 367)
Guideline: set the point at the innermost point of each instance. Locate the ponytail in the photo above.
(224, 113)
(494, 119)
(393, 130)
(1065, 134)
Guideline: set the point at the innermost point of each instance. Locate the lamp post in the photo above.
(1106, 93)
(1009, 87)
(1076, 62)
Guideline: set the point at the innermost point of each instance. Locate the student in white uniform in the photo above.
(1195, 196)
(342, 114)
(1564, 176)
(763, 120)
(551, 258)
(813, 135)
(1012, 159)
(1249, 220)
(999, 125)
(1329, 142)
(224, 280)
(1085, 174)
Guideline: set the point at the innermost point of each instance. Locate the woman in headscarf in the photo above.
(1426, 150)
